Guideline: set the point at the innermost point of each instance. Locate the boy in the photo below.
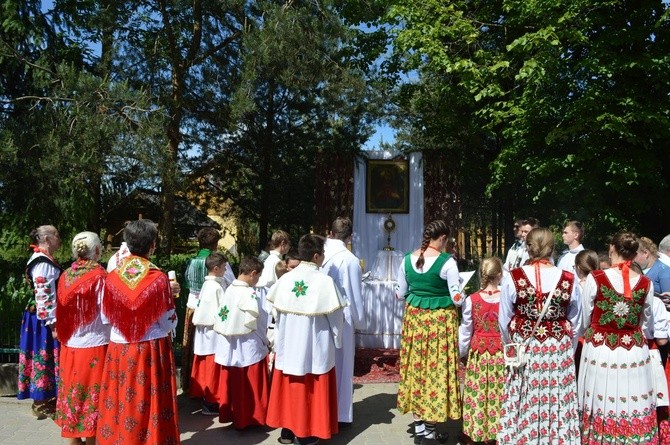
(204, 373)
(303, 399)
(242, 349)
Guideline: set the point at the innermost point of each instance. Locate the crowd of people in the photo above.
(569, 349)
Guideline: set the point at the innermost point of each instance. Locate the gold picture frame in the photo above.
(387, 186)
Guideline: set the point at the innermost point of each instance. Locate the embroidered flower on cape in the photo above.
(626, 339)
(223, 313)
(598, 337)
(300, 288)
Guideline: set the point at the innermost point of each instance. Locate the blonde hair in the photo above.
(86, 246)
(649, 246)
(540, 242)
(489, 270)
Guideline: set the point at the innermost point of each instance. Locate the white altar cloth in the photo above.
(383, 316)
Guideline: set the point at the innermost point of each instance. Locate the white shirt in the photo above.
(659, 328)
(567, 259)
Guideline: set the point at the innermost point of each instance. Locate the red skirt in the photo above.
(204, 378)
(307, 405)
(243, 394)
(138, 396)
(79, 390)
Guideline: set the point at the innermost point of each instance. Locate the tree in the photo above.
(300, 94)
(573, 92)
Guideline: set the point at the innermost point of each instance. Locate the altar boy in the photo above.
(242, 349)
(309, 307)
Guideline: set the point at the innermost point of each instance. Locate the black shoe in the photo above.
(435, 438)
(418, 439)
(344, 425)
(286, 436)
(308, 440)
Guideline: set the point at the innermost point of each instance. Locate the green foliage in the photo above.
(568, 98)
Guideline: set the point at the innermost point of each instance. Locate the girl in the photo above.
(481, 345)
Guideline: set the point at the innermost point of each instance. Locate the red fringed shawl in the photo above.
(77, 297)
(137, 294)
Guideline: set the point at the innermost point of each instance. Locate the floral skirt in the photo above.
(79, 390)
(138, 396)
(482, 393)
(243, 394)
(616, 396)
(429, 385)
(539, 403)
(38, 360)
(307, 404)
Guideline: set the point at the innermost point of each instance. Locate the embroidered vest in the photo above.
(528, 308)
(615, 321)
(486, 336)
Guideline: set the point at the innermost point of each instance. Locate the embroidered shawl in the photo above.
(137, 294)
(77, 296)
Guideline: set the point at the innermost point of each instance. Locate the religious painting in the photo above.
(387, 186)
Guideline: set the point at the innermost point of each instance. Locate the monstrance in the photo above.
(389, 226)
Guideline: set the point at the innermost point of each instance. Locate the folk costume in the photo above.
(138, 397)
(540, 401)
(204, 372)
(479, 340)
(241, 320)
(616, 391)
(38, 351)
(345, 270)
(309, 323)
(429, 385)
(84, 340)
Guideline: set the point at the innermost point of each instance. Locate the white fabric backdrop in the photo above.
(369, 236)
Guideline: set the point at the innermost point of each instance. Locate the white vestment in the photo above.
(309, 321)
(345, 270)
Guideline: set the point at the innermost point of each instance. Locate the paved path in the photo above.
(376, 422)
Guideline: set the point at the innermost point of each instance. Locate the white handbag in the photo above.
(516, 354)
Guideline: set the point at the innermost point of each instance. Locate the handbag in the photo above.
(516, 354)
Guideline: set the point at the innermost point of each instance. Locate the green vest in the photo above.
(196, 270)
(427, 290)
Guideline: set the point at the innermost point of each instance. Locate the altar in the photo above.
(383, 311)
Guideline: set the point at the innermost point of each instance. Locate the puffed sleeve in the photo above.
(589, 291)
(401, 287)
(647, 318)
(574, 313)
(466, 328)
(506, 308)
(449, 272)
(45, 276)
